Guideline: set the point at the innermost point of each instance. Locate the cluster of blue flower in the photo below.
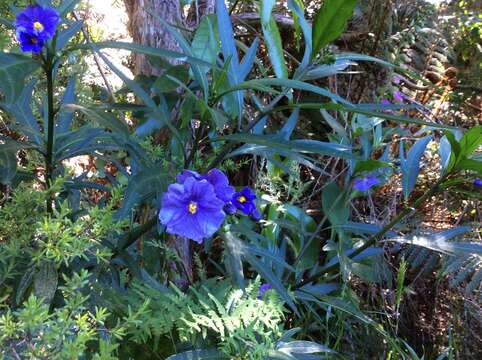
(36, 25)
(196, 206)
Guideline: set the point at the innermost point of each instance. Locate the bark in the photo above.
(198, 9)
(147, 30)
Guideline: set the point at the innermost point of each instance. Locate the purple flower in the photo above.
(220, 182)
(365, 183)
(385, 102)
(396, 79)
(182, 176)
(38, 21)
(29, 42)
(216, 178)
(478, 182)
(192, 209)
(262, 289)
(398, 96)
(244, 201)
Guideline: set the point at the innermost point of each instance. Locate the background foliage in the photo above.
(299, 104)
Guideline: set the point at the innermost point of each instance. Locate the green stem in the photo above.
(49, 163)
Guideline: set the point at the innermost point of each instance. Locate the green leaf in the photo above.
(303, 347)
(8, 166)
(139, 91)
(24, 284)
(66, 6)
(206, 45)
(471, 140)
(199, 355)
(14, 69)
(411, 166)
(45, 282)
(330, 21)
(369, 165)
(334, 205)
(271, 278)
(234, 260)
(382, 115)
(24, 119)
(146, 50)
(273, 39)
(102, 118)
(65, 35)
(264, 84)
(198, 73)
(165, 84)
(65, 118)
(439, 241)
(145, 186)
(470, 164)
(303, 146)
(299, 15)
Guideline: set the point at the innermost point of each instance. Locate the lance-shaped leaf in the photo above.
(14, 69)
(275, 143)
(272, 38)
(411, 166)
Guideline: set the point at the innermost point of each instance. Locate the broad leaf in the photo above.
(330, 21)
(205, 45)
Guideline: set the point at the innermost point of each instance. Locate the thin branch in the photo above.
(96, 58)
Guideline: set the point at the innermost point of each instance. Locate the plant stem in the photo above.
(49, 165)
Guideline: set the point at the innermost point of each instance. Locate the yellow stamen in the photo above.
(38, 26)
(242, 199)
(192, 207)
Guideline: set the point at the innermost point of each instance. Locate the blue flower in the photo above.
(365, 183)
(35, 25)
(216, 178)
(244, 201)
(262, 289)
(220, 182)
(398, 97)
(192, 209)
(29, 42)
(182, 176)
(478, 182)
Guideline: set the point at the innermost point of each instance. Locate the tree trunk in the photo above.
(198, 9)
(147, 30)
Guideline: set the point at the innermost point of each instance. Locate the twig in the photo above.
(96, 59)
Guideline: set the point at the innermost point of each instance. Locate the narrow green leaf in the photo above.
(303, 146)
(199, 355)
(273, 39)
(104, 119)
(411, 166)
(14, 69)
(146, 50)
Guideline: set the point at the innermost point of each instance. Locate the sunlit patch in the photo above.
(38, 26)
(192, 207)
(241, 199)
